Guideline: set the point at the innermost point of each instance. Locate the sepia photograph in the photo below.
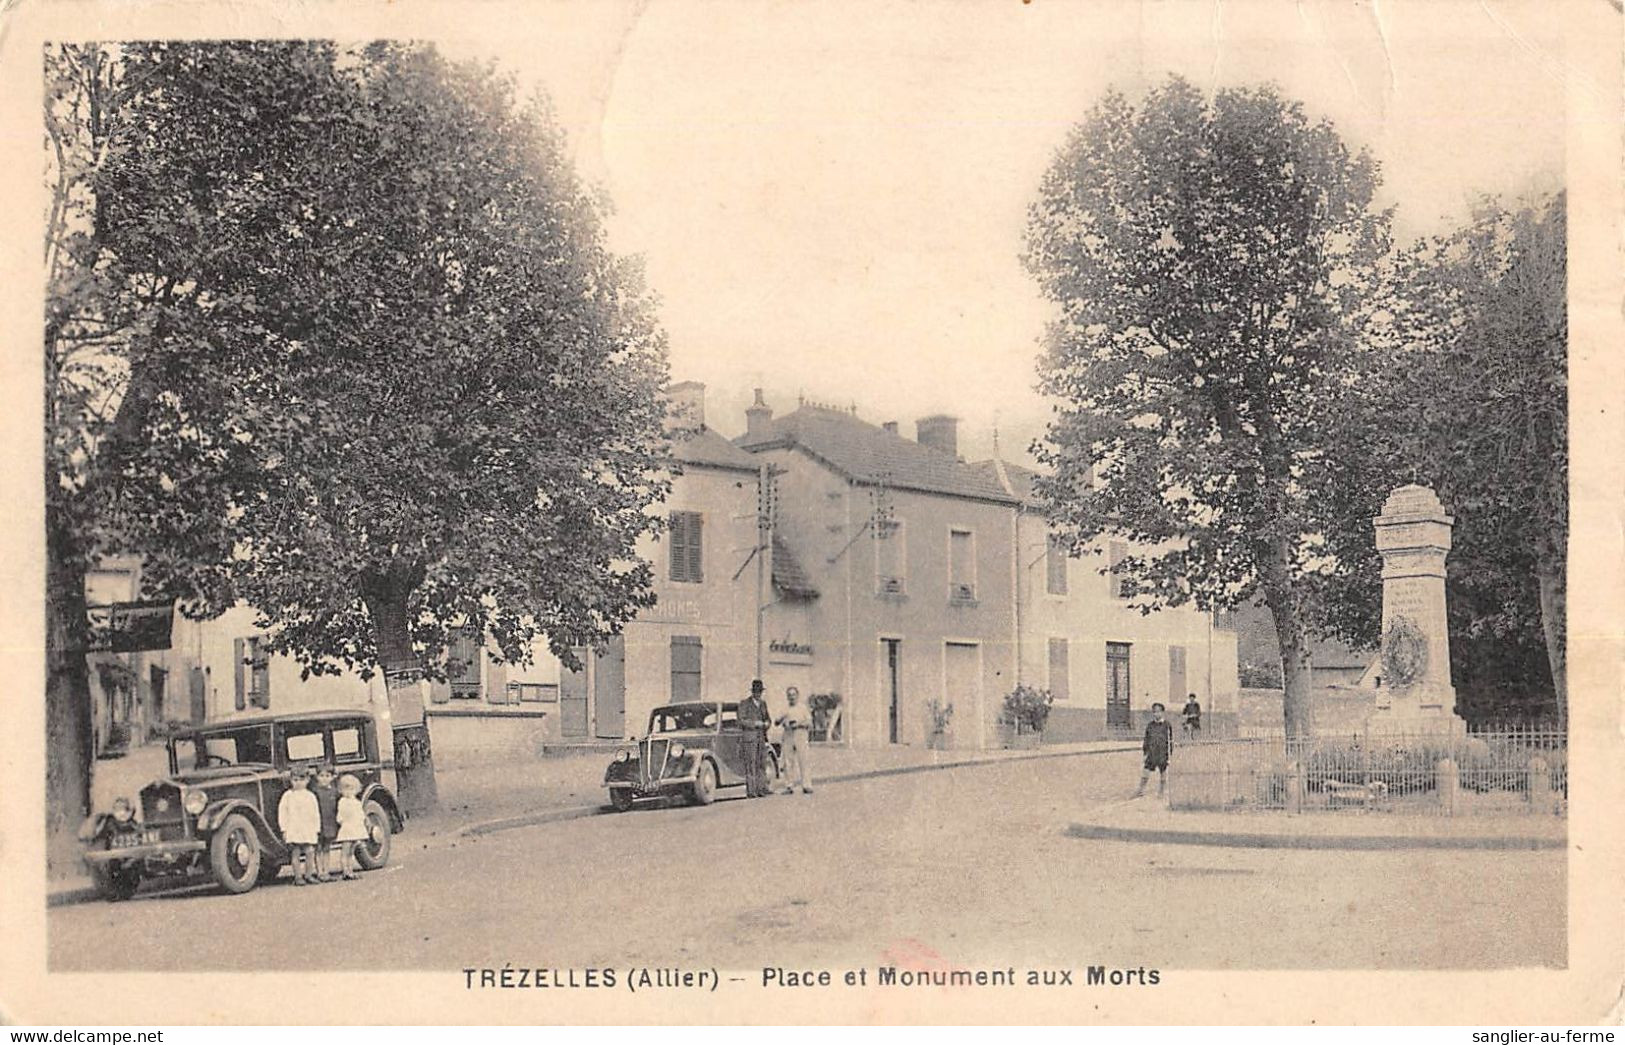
(703, 512)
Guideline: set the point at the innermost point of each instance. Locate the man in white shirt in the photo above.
(796, 722)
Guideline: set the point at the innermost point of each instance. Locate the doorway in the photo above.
(1119, 715)
(893, 681)
(609, 690)
(573, 698)
(962, 684)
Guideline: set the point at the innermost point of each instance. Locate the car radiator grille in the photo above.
(654, 760)
(170, 814)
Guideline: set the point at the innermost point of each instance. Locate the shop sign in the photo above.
(784, 651)
(131, 627)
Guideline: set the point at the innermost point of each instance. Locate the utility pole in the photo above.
(764, 548)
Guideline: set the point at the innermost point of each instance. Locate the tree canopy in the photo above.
(445, 381)
(393, 380)
(1464, 386)
(1207, 258)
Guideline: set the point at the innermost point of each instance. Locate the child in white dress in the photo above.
(300, 819)
(352, 823)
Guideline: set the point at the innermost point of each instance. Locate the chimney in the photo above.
(686, 405)
(757, 418)
(890, 426)
(939, 432)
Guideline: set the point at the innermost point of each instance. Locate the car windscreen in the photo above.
(240, 746)
(692, 716)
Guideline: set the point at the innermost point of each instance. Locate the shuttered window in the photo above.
(686, 656)
(891, 559)
(1055, 566)
(1060, 669)
(1119, 582)
(687, 547)
(961, 565)
(252, 681)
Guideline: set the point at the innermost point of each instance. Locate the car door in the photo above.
(729, 748)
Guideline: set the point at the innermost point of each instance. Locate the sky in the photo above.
(830, 198)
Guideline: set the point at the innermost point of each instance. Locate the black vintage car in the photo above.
(215, 813)
(691, 750)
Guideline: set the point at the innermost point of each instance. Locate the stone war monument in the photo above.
(1415, 694)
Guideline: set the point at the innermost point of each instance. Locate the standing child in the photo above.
(300, 819)
(1158, 744)
(352, 819)
(327, 800)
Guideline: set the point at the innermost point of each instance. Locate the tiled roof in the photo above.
(1017, 479)
(788, 576)
(704, 446)
(870, 454)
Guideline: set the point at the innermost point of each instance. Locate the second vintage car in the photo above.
(214, 814)
(690, 751)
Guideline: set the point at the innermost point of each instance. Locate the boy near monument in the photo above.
(1158, 744)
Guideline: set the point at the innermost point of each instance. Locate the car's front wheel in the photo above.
(372, 852)
(621, 799)
(116, 881)
(705, 784)
(234, 854)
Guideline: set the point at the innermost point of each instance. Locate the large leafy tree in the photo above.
(1206, 257)
(427, 392)
(1465, 387)
(107, 357)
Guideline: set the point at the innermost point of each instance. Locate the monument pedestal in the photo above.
(1414, 694)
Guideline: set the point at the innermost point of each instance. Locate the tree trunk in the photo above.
(1554, 620)
(1297, 674)
(403, 680)
(69, 728)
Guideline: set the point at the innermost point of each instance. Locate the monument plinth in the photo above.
(1413, 537)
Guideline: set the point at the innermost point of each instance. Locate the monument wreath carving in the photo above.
(1404, 652)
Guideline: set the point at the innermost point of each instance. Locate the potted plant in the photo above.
(1026, 710)
(939, 716)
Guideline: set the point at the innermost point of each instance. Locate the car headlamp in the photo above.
(623, 755)
(123, 812)
(194, 801)
(678, 750)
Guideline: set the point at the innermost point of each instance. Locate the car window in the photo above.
(303, 743)
(224, 749)
(730, 721)
(687, 716)
(347, 744)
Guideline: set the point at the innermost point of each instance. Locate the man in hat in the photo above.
(753, 722)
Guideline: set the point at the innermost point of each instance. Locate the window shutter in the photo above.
(239, 655)
(1060, 669)
(1056, 566)
(677, 549)
(261, 677)
(696, 565)
(1119, 582)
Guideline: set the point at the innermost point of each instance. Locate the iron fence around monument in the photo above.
(1507, 770)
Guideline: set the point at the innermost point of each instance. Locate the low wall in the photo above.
(1069, 725)
(476, 734)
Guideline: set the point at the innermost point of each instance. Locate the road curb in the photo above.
(71, 895)
(83, 893)
(553, 816)
(1256, 840)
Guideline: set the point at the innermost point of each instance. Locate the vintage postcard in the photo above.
(665, 511)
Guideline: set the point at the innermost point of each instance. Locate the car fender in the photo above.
(93, 826)
(380, 794)
(216, 812)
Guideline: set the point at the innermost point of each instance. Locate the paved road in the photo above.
(968, 867)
